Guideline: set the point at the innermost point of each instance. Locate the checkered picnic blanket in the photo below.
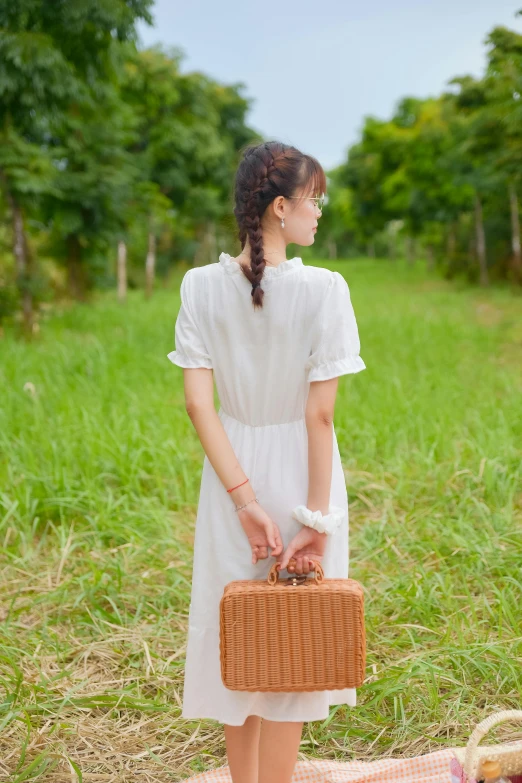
(430, 768)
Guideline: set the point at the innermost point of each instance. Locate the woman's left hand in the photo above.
(306, 546)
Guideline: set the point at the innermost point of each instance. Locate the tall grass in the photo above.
(100, 470)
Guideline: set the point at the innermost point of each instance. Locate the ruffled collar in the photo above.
(232, 267)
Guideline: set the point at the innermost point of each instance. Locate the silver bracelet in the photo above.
(238, 508)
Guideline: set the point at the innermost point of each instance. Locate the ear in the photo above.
(278, 207)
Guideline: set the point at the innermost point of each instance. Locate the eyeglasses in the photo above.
(319, 200)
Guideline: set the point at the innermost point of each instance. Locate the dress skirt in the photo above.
(275, 459)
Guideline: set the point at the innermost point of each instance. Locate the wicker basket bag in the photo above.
(293, 634)
(466, 767)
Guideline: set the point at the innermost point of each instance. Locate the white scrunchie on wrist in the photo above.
(323, 524)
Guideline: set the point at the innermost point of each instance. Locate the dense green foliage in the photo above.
(100, 473)
(101, 144)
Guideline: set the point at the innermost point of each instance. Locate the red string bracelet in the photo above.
(239, 485)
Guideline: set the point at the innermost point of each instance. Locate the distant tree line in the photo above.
(442, 177)
(114, 164)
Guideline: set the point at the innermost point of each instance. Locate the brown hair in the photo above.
(266, 171)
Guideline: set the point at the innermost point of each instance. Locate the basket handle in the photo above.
(273, 574)
(481, 729)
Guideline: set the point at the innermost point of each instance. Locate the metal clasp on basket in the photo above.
(296, 579)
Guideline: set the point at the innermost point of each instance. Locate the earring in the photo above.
(282, 222)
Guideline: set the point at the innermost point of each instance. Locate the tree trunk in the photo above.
(23, 265)
(430, 257)
(451, 241)
(410, 251)
(391, 247)
(481, 242)
(150, 265)
(472, 251)
(371, 248)
(122, 271)
(76, 278)
(206, 250)
(451, 250)
(211, 242)
(516, 262)
(332, 248)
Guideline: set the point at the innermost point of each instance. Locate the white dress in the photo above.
(263, 362)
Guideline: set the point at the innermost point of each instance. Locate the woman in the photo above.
(275, 335)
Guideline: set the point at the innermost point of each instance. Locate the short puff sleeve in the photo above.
(335, 345)
(190, 349)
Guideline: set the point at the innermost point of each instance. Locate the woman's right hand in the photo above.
(261, 531)
(305, 547)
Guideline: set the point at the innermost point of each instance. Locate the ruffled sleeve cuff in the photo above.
(190, 349)
(327, 370)
(189, 362)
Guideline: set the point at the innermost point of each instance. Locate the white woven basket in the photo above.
(470, 758)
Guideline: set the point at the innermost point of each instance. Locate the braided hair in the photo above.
(266, 171)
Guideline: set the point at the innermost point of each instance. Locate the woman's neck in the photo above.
(274, 253)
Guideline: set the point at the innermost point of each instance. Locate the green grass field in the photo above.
(100, 469)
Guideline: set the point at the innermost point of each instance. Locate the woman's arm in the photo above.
(261, 531)
(308, 545)
(319, 415)
(199, 404)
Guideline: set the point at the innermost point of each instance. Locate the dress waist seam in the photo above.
(222, 411)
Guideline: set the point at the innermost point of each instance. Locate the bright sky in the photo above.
(315, 69)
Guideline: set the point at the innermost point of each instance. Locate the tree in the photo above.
(53, 55)
(503, 87)
(37, 82)
(188, 133)
(94, 181)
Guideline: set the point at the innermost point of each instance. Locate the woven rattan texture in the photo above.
(292, 637)
(508, 754)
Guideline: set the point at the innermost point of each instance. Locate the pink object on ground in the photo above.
(430, 768)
